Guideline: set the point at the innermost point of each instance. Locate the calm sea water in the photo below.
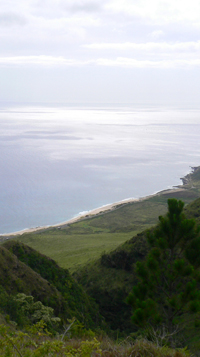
(56, 161)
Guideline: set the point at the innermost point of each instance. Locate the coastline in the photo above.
(92, 213)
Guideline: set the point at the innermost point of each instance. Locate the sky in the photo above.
(100, 51)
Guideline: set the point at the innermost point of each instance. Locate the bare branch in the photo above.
(67, 329)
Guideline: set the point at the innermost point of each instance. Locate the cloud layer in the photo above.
(100, 33)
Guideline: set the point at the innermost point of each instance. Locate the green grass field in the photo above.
(74, 245)
(73, 251)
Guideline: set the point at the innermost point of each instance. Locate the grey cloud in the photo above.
(87, 6)
(8, 19)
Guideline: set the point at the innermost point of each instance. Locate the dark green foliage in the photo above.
(32, 312)
(168, 278)
(111, 278)
(119, 260)
(126, 255)
(10, 307)
(17, 277)
(75, 301)
(23, 310)
(108, 280)
(193, 210)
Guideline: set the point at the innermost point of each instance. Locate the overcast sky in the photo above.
(96, 51)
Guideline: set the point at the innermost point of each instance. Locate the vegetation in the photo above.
(110, 279)
(23, 270)
(25, 311)
(16, 277)
(45, 311)
(37, 342)
(76, 303)
(78, 244)
(76, 250)
(168, 278)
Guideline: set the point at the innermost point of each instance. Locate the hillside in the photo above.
(99, 287)
(16, 276)
(24, 270)
(109, 279)
(75, 245)
(119, 261)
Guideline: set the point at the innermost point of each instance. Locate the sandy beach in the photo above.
(94, 212)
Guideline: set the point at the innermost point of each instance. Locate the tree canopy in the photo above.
(168, 279)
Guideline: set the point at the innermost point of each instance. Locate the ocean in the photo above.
(59, 161)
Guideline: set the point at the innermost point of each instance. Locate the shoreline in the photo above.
(92, 213)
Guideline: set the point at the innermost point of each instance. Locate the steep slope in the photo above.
(111, 278)
(74, 302)
(16, 277)
(193, 210)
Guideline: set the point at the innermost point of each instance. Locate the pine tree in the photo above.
(168, 278)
